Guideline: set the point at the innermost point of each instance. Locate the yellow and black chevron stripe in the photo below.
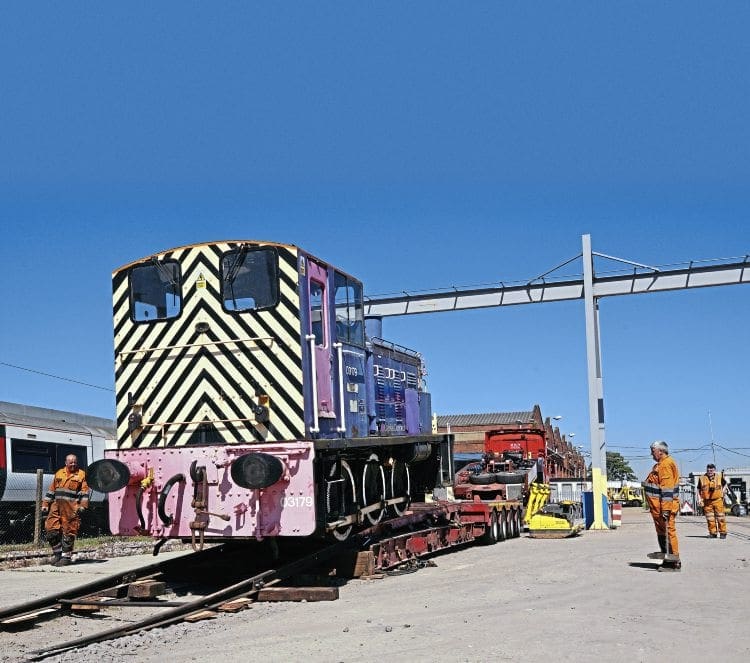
(208, 365)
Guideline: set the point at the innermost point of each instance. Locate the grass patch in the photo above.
(81, 544)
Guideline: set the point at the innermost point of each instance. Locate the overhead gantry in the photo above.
(638, 280)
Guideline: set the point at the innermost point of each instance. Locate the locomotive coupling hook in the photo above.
(223, 516)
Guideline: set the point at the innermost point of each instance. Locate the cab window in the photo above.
(155, 291)
(317, 312)
(349, 310)
(250, 279)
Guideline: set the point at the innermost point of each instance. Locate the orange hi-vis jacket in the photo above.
(711, 489)
(65, 495)
(662, 486)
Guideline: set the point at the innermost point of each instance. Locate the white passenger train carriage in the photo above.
(35, 438)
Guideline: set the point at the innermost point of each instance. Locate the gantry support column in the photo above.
(596, 392)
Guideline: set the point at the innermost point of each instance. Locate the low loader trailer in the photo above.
(430, 527)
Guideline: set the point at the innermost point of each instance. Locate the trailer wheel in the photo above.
(516, 523)
(511, 516)
(491, 531)
(512, 524)
(503, 526)
(735, 510)
(373, 488)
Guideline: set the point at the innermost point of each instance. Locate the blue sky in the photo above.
(416, 146)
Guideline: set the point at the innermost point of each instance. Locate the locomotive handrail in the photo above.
(310, 338)
(252, 339)
(341, 428)
(165, 424)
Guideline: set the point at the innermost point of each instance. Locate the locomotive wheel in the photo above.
(348, 498)
(400, 485)
(373, 488)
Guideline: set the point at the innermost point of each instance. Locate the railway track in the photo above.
(150, 581)
(225, 580)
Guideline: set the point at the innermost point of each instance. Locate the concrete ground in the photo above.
(595, 597)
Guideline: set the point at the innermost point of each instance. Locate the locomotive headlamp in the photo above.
(107, 475)
(256, 470)
(261, 409)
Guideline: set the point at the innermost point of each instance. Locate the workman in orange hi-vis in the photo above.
(662, 495)
(66, 499)
(711, 489)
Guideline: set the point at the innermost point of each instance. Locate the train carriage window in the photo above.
(81, 453)
(349, 310)
(155, 291)
(29, 456)
(250, 279)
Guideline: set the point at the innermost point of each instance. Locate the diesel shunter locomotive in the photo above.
(254, 401)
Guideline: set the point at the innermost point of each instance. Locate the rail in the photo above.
(174, 611)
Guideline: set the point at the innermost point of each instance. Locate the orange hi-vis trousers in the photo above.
(662, 496)
(715, 516)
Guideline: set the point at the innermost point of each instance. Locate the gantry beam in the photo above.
(539, 291)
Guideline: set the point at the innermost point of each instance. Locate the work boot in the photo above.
(668, 565)
(52, 561)
(656, 555)
(63, 561)
(722, 536)
(713, 536)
